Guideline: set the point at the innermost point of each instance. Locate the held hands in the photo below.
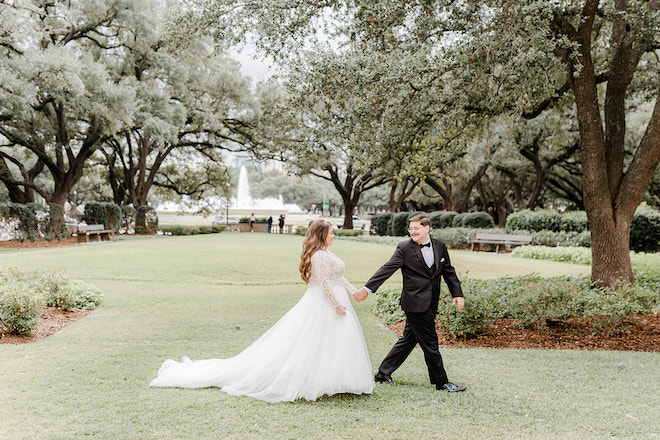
(460, 302)
(341, 310)
(360, 295)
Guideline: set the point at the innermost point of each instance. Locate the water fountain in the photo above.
(243, 204)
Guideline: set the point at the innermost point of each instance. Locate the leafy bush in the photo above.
(574, 221)
(442, 219)
(575, 255)
(100, 213)
(146, 220)
(20, 307)
(301, 230)
(75, 295)
(561, 238)
(21, 220)
(128, 215)
(381, 224)
(543, 220)
(191, 230)
(387, 305)
(531, 300)
(457, 238)
(480, 220)
(23, 296)
(645, 231)
(348, 232)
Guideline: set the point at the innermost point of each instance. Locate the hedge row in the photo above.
(191, 230)
(23, 296)
(396, 224)
(644, 229)
(461, 238)
(532, 301)
(142, 220)
(32, 221)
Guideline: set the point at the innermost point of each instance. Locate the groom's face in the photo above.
(419, 233)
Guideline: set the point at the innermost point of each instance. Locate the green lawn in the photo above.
(210, 296)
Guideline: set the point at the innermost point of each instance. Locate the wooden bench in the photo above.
(85, 232)
(501, 241)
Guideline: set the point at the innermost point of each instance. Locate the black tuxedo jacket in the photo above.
(421, 284)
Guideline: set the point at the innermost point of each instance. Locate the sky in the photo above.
(253, 65)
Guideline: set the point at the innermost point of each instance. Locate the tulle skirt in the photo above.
(310, 352)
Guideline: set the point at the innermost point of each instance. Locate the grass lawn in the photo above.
(210, 296)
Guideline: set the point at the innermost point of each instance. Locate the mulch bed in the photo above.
(15, 244)
(638, 333)
(52, 320)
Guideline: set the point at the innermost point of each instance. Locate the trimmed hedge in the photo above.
(191, 230)
(534, 221)
(644, 229)
(33, 221)
(381, 224)
(481, 220)
(146, 220)
(101, 213)
(442, 219)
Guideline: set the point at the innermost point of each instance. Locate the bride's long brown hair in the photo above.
(314, 241)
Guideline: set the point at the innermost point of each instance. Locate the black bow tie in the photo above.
(426, 244)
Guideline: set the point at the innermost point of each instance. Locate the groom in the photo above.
(422, 260)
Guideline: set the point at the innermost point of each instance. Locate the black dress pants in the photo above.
(419, 329)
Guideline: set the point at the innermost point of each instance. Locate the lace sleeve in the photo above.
(348, 286)
(320, 267)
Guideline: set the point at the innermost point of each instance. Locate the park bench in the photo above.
(501, 241)
(85, 232)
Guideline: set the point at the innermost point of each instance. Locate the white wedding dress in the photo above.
(310, 352)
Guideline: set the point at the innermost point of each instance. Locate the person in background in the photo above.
(270, 223)
(281, 223)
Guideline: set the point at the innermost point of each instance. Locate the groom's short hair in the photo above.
(421, 218)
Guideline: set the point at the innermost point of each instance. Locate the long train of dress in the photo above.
(310, 352)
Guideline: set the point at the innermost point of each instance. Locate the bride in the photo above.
(317, 348)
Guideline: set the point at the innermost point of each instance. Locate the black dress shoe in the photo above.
(451, 387)
(380, 377)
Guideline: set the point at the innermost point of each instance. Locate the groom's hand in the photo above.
(360, 295)
(460, 302)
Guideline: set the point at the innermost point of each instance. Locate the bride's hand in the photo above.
(341, 310)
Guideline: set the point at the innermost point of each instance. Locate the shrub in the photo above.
(531, 300)
(481, 220)
(456, 238)
(191, 230)
(128, 214)
(387, 305)
(442, 219)
(100, 213)
(543, 220)
(301, 230)
(22, 220)
(20, 307)
(146, 220)
(381, 224)
(575, 255)
(348, 232)
(574, 221)
(561, 238)
(75, 295)
(645, 231)
(400, 224)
